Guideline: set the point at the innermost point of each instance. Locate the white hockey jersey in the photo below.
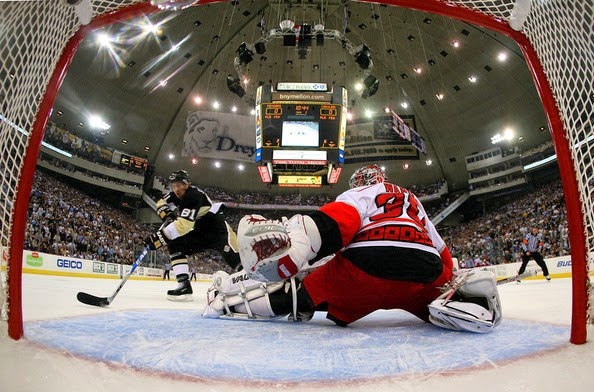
(393, 236)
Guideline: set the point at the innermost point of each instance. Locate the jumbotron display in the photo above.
(300, 134)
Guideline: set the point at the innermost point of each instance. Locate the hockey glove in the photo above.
(165, 213)
(156, 240)
(272, 250)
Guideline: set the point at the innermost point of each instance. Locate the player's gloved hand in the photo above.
(165, 213)
(156, 240)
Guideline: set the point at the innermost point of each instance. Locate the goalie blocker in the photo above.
(470, 301)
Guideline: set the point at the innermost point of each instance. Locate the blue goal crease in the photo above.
(182, 342)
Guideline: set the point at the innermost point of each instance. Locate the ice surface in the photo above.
(142, 342)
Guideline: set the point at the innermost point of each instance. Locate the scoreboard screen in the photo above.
(300, 125)
(298, 140)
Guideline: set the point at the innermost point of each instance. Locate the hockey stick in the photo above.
(105, 301)
(459, 280)
(510, 279)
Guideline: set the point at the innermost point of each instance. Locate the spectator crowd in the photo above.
(65, 221)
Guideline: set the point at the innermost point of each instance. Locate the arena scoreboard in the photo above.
(300, 134)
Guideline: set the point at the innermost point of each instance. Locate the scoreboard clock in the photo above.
(300, 133)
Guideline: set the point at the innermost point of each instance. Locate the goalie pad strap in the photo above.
(237, 294)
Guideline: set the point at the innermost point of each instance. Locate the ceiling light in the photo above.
(418, 70)
(149, 28)
(103, 40)
(244, 54)
(163, 83)
(97, 122)
(59, 112)
(371, 85)
(508, 133)
(217, 164)
(387, 109)
(240, 167)
(383, 168)
(502, 56)
(472, 79)
(456, 43)
(234, 85)
(404, 105)
(439, 96)
(124, 141)
(363, 57)
(368, 113)
(253, 111)
(194, 161)
(359, 86)
(171, 156)
(496, 138)
(349, 116)
(197, 100)
(216, 105)
(405, 166)
(428, 162)
(172, 5)
(80, 124)
(147, 148)
(260, 47)
(234, 109)
(286, 24)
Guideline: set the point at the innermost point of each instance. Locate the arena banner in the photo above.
(220, 136)
(46, 264)
(559, 267)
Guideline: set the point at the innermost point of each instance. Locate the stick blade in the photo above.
(89, 299)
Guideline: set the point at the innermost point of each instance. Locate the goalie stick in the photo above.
(510, 279)
(450, 289)
(89, 299)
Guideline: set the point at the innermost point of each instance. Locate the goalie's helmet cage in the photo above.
(368, 175)
(179, 176)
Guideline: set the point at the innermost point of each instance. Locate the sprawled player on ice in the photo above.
(373, 248)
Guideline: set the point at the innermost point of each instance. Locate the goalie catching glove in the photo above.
(272, 251)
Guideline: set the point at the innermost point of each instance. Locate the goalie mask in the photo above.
(368, 175)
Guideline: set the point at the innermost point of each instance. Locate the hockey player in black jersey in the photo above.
(191, 223)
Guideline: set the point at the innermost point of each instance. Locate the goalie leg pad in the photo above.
(474, 307)
(238, 295)
(460, 316)
(481, 288)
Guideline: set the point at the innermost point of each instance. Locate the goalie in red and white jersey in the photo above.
(386, 254)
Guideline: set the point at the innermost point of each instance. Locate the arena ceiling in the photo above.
(144, 82)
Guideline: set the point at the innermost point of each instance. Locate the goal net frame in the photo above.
(40, 39)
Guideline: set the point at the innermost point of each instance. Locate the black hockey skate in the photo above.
(183, 292)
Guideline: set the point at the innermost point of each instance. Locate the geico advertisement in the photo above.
(37, 262)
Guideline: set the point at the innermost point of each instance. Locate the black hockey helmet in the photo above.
(179, 176)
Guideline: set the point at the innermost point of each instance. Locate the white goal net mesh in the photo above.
(33, 35)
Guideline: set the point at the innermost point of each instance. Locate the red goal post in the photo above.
(39, 40)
